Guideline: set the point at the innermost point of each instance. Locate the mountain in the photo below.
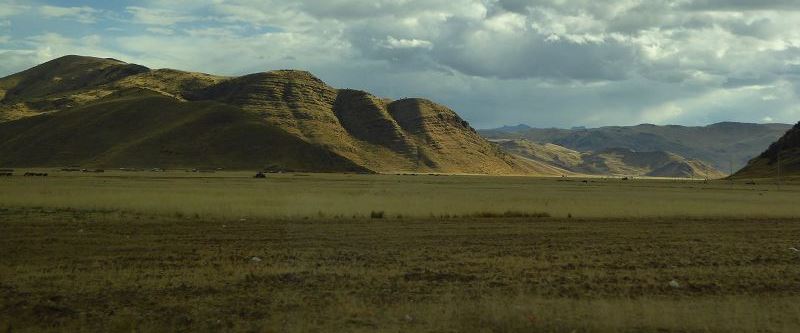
(515, 128)
(723, 145)
(614, 161)
(100, 112)
(782, 157)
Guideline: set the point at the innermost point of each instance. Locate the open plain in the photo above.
(178, 251)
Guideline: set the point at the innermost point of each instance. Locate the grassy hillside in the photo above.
(781, 158)
(149, 130)
(105, 112)
(617, 161)
(722, 145)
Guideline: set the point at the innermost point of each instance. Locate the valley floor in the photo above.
(235, 195)
(174, 252)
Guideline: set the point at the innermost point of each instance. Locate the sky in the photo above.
(545, 63)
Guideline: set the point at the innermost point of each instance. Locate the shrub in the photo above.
(510, 214)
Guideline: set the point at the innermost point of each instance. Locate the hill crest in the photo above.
(283, 114)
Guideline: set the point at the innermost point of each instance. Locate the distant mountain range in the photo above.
(101, 112)
(723, 146)
(613, 161)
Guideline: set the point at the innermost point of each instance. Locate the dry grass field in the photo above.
(177, 251)
(237, 195)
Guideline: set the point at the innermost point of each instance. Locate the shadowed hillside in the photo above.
(104, 112)
(615, 161)
(782, 157)
(153, 130)
(724, 146)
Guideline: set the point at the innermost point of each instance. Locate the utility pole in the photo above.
(730, 165)
(780, 176)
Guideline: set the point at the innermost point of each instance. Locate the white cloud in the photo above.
(216, 52)
(81, 14)
(92, 40)
(506, 23)
(402, 43)
(156, 16)
(45, 47)
(215, 32)
(161, 30)
(11, 8)
(662, 114)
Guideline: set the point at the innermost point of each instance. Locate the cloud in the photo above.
(516, 56)
(11, 8)
(515, 39)
(741, 5)
(394, 43)
(161, 30)
(14, 60)
(542, 62)
(37, 49)
(228, 53)
(662, 114)
(216, 32)
(80, 14)
(155, 16)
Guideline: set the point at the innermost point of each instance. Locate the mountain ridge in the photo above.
(724, 145)
(75, 99)
(613, 161)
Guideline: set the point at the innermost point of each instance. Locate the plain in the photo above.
(181, 251)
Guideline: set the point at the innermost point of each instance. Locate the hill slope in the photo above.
(717, 144)
(768, 163)
(107, 113)
(616, 161)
